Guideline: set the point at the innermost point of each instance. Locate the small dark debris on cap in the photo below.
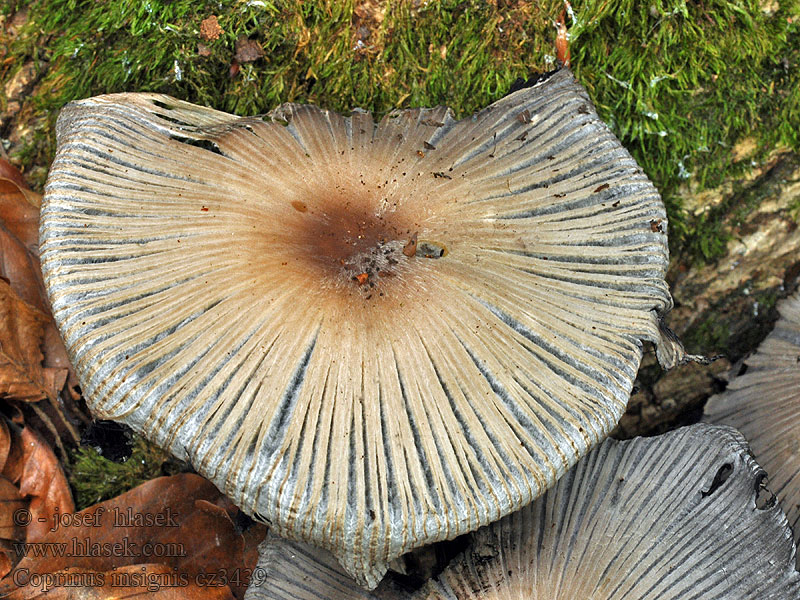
(521, 84)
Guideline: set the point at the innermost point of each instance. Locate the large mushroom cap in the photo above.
(764, 404)
(372, 336)
(675, 517)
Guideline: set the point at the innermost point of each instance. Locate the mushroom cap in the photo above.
(671, 517)
(371, 336)
(764, 404)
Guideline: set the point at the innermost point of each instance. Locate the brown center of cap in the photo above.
(351, 240)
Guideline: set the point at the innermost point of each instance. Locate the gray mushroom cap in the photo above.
(764, 404)
(674, 517)
(371, 336)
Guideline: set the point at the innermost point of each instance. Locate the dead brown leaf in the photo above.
(19, 242)
(26, 510)
(9, 171)
(5, 444)
(11, 501)
(13, 505)
(181, 523)
(13, 463)
(22, 376)
(247, 50)
(19, 265)
(43, 480)
(210, 28)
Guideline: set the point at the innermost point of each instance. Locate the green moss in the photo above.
(311, 53)
(680, 83)
(708, 240)
(766, 299)
(737, 324)
(711, 335)
(95, 478)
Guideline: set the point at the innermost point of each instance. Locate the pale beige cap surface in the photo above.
(372, 336)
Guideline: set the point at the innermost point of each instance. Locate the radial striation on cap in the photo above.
(674, 517)
(764, 404)
(372, 336)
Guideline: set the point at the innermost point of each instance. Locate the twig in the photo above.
(61, 411)
(49, 424)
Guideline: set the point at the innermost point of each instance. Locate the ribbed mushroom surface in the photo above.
(372, 336)
(675, 517)
(764, 404)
